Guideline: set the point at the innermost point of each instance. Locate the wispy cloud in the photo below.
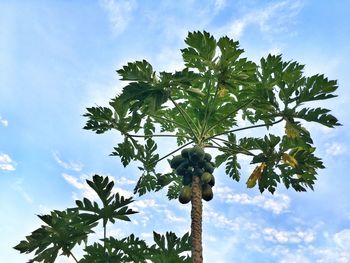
(283, 244)
(18, 186)
(119, 13)
(295, 237)
(6, 163)
(67, 165)
(124, 181)
(171, 216)
(274, 18)
(219, 5)
(3, 121)
(342, 239)
(336, 248)
(335, 148)
(277, 203)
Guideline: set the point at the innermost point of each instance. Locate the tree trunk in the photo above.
(196, 221)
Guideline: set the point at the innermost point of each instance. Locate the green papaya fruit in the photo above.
(208, 167)
(185, 153)
(187, 179)
(198, 171)
(201, 163)
(212, 181)
(164, 180)
(185, 194)
(207, 157)
(183, 168)
(207, 192)
(196, 154)
(176, 161)
(206, 177)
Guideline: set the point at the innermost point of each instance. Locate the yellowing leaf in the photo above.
(291, 131)
(256, 174)
(222, 91)
(289, 159)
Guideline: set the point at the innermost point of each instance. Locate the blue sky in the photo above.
(59, 57)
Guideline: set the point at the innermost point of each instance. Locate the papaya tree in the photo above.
(200, 107)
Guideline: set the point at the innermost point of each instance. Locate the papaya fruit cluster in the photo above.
(194, 162)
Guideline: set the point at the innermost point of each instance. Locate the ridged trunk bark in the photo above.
(196, 221)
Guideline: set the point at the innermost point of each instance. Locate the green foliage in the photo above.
(200, 105)
(63, 230)
(114, 205)
(101, 119)
(169, 247)
(139, 70)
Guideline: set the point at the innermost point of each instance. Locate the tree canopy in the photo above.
(201, 104)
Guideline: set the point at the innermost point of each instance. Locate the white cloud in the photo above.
(170, 216)
(119, 13)
(6, 163)
(219, 5)
(273, 18)
(294, 258)
(220, 220)
(124, 181)
(295, 237)
(3, 121)
(5, 158)
(342, 239)
(168, 60)
(81, 185)
(337, 253)
(69, 166)
(276, 203)
(336, 248)
(335, 149)
(19, 188)
(6, 167)
(145, 203)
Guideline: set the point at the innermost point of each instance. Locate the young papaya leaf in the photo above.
(268, 179)
(100, 119)
(165, 179)
(137, 71)
(232, 168)
(62, 231)
(131, 248)
(149, 157)
(319, 115)
(317, 87)
(147, 97)
(169, 247)
(148, 127)
(114, 205)
(128, 150)
(175, 187)
(230, 51)
(201, 50)
(146, 183)
(97, 253)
